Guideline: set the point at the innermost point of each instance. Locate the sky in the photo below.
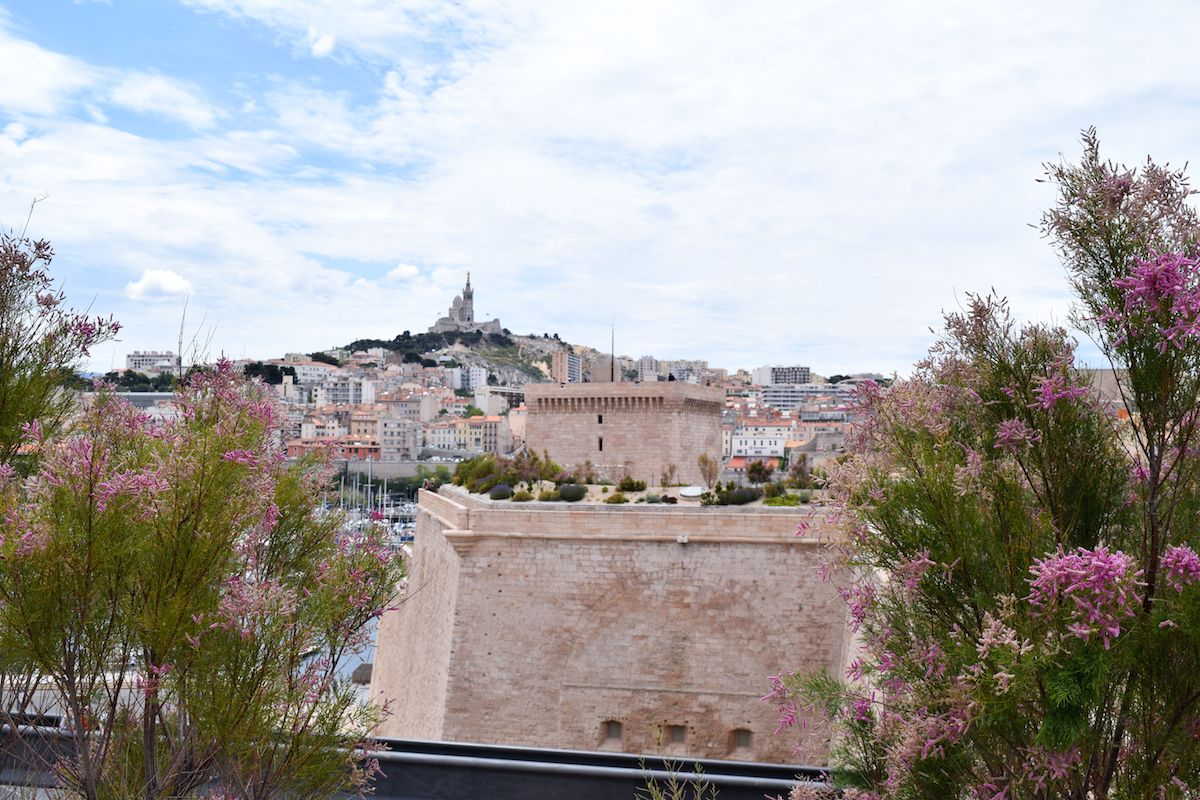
(795, 182)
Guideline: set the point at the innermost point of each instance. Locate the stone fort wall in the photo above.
(541, 624)
(639, 429)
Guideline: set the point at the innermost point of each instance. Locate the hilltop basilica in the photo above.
(462, 316)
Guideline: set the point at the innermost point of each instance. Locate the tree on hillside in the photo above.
(1038, 633)
(325, 358)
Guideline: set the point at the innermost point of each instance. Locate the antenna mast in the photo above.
(612, 355)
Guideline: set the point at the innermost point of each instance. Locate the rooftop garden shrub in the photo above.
(616, 498)
(628, 484)
(521, 496)
(548, 495)
(572, 492)
(501, 491)
(1038, 634)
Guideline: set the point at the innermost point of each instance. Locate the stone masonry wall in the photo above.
(567, 617)
(420, 635)
(638, 429)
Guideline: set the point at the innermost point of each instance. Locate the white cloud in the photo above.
(155, 94)
(158, 284)
(38, 81)
(319, 44)
(762, 183)
(403, 272)
(372, 28)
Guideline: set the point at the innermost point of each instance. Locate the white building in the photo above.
(766, 439)
(647, 368)
(787, 397)
(399, 438)
(344, 390)
(475, 378)
(771, 376)
(152, 362)
(308, 371)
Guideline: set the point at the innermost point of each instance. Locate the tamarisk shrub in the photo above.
(1019, 555)
(181, 594)
(41, 342)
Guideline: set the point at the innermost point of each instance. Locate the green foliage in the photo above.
(325, 358)
(572, 492)
(130, 381)
(730, 495)
(758, 471)
(41, 343)
(675, 784)
(521, 496)
(501, 491)
(180, 594)
(799, 476)
(710, 468)
(1036, 634)
(653, 498)
(628, 484)
(271, 374)
(549, 495)
(782, 500)
(668, 476)
(473, 411)
(481, 473)
(616, 498)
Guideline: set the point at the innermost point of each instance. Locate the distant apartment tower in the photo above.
(647, 367)
(475, 378)
(773, 376)
(152, 362)
(566, 367)
(791, 396)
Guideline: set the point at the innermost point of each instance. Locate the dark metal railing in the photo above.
(423, 770)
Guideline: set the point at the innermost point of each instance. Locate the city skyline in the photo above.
(774, 183)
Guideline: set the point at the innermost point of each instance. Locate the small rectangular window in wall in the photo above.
(676, 734)
(601, 444)
(599, 419)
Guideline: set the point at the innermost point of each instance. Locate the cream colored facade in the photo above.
(637, 429)
(540, 624)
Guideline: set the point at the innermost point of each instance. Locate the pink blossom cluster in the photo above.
(1013, 436)
(1101, 587)
(85, 332)
(859, 598)
(912, 570)
(1042, 767)
(1053, 389)
(134, 483)
(246, 604)
(1181, 566)
(783, 700)
(1160, 297)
